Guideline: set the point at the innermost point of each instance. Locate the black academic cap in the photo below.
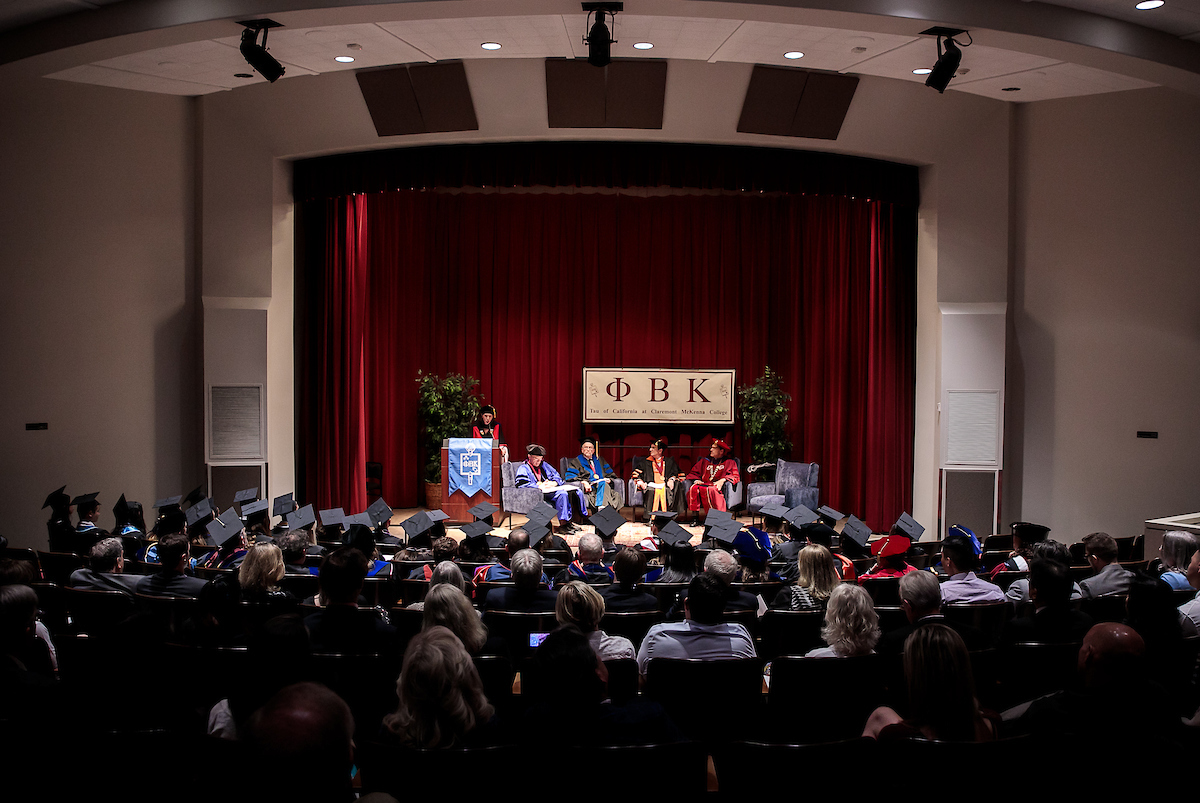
(536, 448)
(908, 525)
(380, 512)
(541, 513)
(304, 517)
(799, 516)
(121, 509)
(416, 524)
(256, 508)
(715, 517)
(221, 533)
(169, 502)
(437, 515)
(58, 500)
(726, 531)
(483, 510)
(476, 529)
(673, 534)
(829, 515)
(170, 520)
(83, 500)
(198, 511)
(334, 517)
(361, 519)
(248, 495)
(774, 510)
(1029, 532)
(536, 534)
(283, 505)
(856, 531)
(607, 521)
(662, 515)
(195, 496)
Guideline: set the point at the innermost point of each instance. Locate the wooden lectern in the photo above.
(455, 505)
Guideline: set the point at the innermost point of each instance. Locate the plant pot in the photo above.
(433, 495)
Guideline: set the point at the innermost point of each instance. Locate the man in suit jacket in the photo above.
(1111, 577)
(170, 581)
(525, 595)
(108, 563)
(921, 600)
(1053, 620)
(340, 626)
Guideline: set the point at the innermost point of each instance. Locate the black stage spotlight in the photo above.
(256, 54)
(599, 40)
(948, 62)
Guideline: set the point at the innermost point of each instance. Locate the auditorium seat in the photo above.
(826, 699)
(685, 688)
(633, 625)
(96, 612)
(986, 616)
(789, 632)
(514, 499)
(883, 590)
(57, 567)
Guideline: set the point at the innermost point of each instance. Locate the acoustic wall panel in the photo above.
(628, 93)
(787, 102)
(418, 99)
(236, 422)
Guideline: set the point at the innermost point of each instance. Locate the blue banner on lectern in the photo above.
(470, 465)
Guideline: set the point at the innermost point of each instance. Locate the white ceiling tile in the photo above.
(519, 37)
(205, 62)
(823, 48)
(1056, 81)
(119, 79)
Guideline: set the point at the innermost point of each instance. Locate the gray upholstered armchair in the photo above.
(795, 484)
(516, 500)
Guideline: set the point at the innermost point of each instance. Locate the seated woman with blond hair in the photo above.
(581, 605)
(851, 624)
(447, 607)
(445, 572)
(442, 703)
(941, 693)
(816, 579)
(260, 573)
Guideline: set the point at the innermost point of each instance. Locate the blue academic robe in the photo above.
(561, 498)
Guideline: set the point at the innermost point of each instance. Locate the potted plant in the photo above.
(447, 406)
(764, 411)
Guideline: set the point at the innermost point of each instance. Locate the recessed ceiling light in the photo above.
(923, 71)
(344, 59)
(1146, 5)
(490, 45)
(643, 45)
(793, 54)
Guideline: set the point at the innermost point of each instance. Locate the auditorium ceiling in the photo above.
(1021, 51)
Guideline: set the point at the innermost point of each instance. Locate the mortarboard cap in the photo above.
(907, 525)
(774, 510)
(663, 515)
(829, 515)
(334, 517)
(607, 521)
(222, 533)
(169, 502)
(121, 509)
(715, 517)
(674, 535)
(283, 505)
(799, 516)
(965, 532)
(58, 500)
(195, 496)
(476, 529)
(248, 495)
(362, 519)
(857, 532)
(198, 511)
(1027, 531)
(416, 524)
(380, 512)
(536, 534)
(304, 517)
(541, 514)
(437, 515)
(895, 543)
(256, 508)
(83, 500)
(725, 531)
(483, 510)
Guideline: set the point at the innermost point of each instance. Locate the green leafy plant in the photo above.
(447, 408)
(764, 409)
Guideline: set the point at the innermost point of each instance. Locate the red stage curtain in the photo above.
(523, 289)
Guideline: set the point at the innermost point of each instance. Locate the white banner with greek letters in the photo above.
(657, 396)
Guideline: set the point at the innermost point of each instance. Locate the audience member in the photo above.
(444, 548)
(1191, 609)
(941, 693)
(816, 578)
(702, 634)
(921, 601)
(525, 593)
(1176, 553)
(170, 580)
(442, 703)
(623, 595)
(960, 562)
(341, 626)
(679, 563)
(294, 547)
(851, 624)
(447, 606)
(1018, 592)
(445, 572)
(260, 573)
(1025, 534)
(581, 606)
(588, 565)
(1110, 577)
(1053, 620)
(106, 572)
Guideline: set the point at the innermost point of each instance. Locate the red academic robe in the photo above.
(704, 494)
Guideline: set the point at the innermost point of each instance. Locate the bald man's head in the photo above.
(1111, 655)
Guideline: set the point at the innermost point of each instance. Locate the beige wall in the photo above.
(1105, 313)
(100, 329)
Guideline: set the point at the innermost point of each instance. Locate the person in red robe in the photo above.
(710, 475)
